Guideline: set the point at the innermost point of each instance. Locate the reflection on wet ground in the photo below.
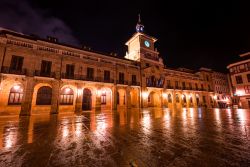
(148, 137)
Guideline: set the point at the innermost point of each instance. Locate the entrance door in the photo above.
(86, 99)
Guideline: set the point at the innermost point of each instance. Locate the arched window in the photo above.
(197, 99)
(103, 97)
(67, 96)
(177, 99)
(169, 98)
(16, 95)
(44, 96)
(191, 99)
(184, 99)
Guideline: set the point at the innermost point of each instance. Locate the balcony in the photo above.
(9, 70)
(134, 83)
(155, 85)
(122, 82)
(169, 87)
(44, 74)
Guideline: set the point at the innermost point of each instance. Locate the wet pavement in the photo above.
(149, 137)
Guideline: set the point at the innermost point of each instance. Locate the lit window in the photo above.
(67, 96)
(16, 95)
(177, 99)
(103, 98)
(169, 98)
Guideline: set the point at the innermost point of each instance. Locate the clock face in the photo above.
(147, 44)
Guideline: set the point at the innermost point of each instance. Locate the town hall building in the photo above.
(43, 76)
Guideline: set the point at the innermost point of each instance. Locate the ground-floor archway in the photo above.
(154, 99)
(86, 99)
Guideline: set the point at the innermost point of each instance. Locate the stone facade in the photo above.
(240, 80)
(43, 76)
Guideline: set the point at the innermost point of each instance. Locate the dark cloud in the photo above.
(22, 17)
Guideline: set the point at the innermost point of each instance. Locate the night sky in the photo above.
(191, 34)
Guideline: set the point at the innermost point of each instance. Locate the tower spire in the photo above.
(139, 25)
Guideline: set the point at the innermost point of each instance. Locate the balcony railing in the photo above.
(123, 82)
(169, 87)
(134, 83)
(155, 85)
(9, 70)
(44, 74)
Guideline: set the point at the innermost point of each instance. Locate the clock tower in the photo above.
(141, 47)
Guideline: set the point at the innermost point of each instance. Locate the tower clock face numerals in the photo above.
(146, 43)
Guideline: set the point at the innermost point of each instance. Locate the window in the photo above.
(103, 97)
(190, 85)
(209, 87)
(204, 99)
(248, 77)
(202, 87)
(239, 79)
(191, 99)
(177, 99)
(45, 68)
(169, 98)
(67, 96)
(44, 96)
(106, 75)
(183, 85)
(247, 89)
(147, 65)
(70, 68)
(134, 79)
(184, 99)
(16, 95)
(90, 73)
(168, 83)
(16, 63)
(207, 78)
(196, 86)
(176, 84)
(121, 77)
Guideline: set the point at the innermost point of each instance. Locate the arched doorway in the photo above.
(44, 96)
(86, 99)
(154, 100)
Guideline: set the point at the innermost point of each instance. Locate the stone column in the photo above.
(55, 97)
(114, 101)
(78, 103)
(128, 97)
(27, 98)
(98, 100)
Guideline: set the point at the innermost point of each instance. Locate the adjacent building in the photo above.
(240, 80)
(44, 76)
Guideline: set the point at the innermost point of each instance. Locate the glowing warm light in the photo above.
(79, 92)
(98, 92)
(164, 95)
(103, 91)
(145, 95)
(78, 130)
(65, 131)
(17, 87)
(240, 93)
(215, 97)
(67, 90)
(190, 96)
(183, 96)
